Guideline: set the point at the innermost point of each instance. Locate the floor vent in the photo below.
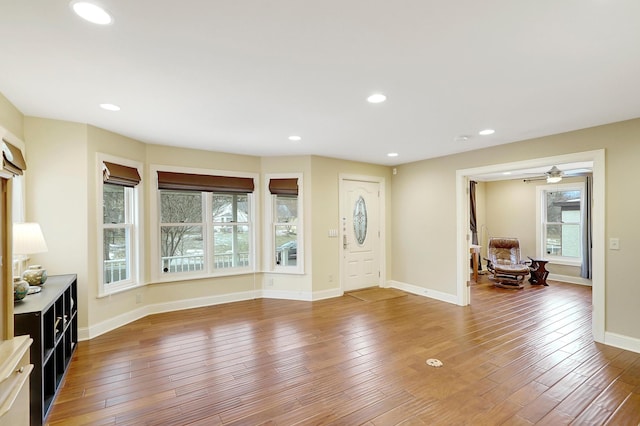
(434, 362)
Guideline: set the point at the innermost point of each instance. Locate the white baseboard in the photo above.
(287, 295)
(421, 291)
(570, 279)
(328, 294)
(120, 320)
(623, 342)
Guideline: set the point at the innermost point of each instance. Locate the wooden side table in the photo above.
(538, 271)
(474, 249)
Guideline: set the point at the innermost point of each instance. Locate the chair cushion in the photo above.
(512, 269)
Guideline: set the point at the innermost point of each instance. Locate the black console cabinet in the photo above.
(51, 319)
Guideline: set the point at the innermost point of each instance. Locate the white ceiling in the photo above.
(242, 75)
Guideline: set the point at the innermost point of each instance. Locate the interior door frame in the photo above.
(382, 218)
(598, 261)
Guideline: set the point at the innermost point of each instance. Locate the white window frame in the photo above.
(134, 213)
(209, 270)
(541, 191)
(270, 224)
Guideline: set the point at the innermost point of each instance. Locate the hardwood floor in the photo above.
(515, 357)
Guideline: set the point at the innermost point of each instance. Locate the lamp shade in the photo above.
(28, 238)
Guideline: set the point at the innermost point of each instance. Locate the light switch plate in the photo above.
(614, 243)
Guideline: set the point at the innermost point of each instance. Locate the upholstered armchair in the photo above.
(507, 268)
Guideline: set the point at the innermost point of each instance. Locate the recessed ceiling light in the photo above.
(462, 138)
(377, 98)
(91, 12)
(110, 107)
(295, 138)
(506, 173)
(486, 132)
(392, 154)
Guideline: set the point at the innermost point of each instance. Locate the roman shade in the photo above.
(284, 187)
(12, 159)
(118, 174)
(206, 183)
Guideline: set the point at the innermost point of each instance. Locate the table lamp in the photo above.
(28, 239)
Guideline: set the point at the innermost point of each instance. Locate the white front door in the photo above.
(360, 218)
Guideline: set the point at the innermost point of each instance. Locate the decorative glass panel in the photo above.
(360, 220)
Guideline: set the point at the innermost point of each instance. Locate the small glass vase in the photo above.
(35, 275)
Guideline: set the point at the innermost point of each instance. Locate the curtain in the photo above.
(473, 216)
(472, 213)
(587, 237)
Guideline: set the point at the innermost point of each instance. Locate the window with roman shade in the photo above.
(285, 207)
(120, 225)
(12, 159)
(205, 223)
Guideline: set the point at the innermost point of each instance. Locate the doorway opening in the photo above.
(597, 158)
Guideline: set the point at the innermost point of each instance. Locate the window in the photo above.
(285, 237)
(205, 224)
(560, 230)
(120, 225)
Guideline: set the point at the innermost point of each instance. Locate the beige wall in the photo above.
(56, 198)
(424, 211)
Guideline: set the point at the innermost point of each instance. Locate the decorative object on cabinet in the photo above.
(20, 288)
(35, 275)
(51, 318)
(27, 239)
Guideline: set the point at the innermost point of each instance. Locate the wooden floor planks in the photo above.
(511, 357)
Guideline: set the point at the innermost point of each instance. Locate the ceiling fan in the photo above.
(555, 175)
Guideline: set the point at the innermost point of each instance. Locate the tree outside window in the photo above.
(562, 223)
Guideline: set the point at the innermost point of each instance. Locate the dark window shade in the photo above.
(286, 187)
(12, 159)
(207, 183)
(118, 174)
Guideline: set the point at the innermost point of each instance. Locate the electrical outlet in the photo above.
(138, 298)
(330, 278)
(270, 282)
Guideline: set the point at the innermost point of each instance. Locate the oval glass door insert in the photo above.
(360, 220)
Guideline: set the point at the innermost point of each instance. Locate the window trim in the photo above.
(541, 190)
(136, 249)
(154, 237)
(268, 236)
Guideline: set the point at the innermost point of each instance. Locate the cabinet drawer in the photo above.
(14, 382)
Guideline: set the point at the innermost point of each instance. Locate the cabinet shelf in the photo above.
(50, 317)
